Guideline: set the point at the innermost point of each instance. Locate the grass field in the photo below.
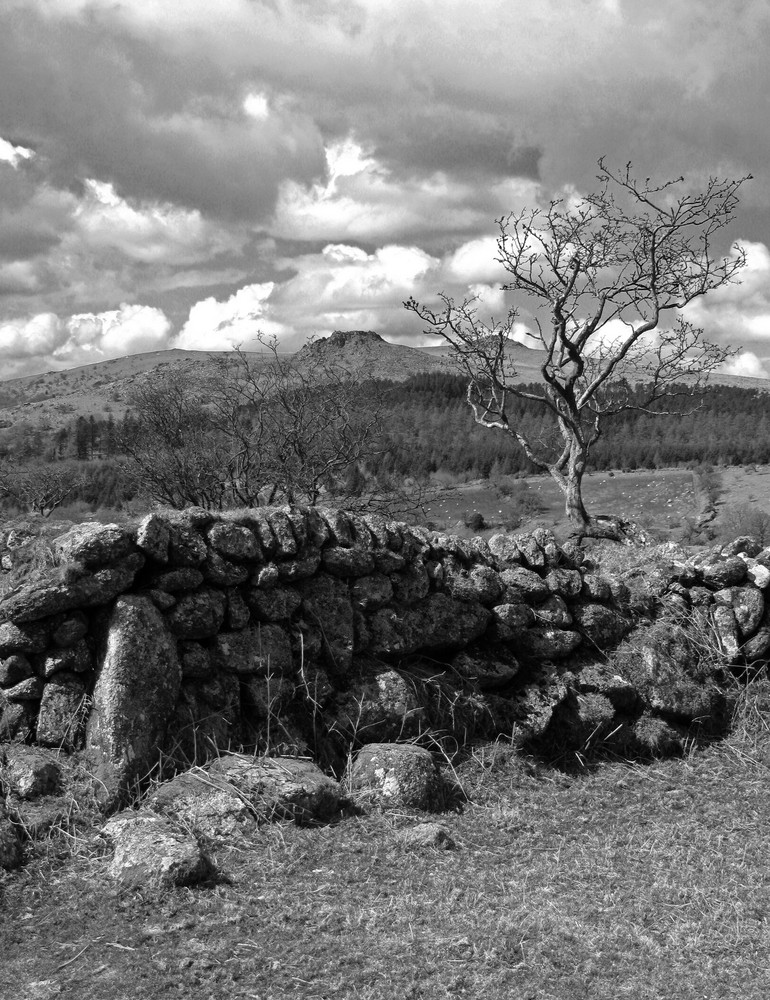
(660, 500)
(618, 882)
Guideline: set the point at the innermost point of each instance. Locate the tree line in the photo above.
(414, 430)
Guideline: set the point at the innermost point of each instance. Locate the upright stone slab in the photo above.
(134, 697)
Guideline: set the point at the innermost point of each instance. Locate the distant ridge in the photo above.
(56, 398)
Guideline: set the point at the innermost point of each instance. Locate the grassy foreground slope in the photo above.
(616, 882)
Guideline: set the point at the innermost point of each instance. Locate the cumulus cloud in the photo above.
(14, 154)
(235, 322)
(150, 233)
(132, 329)
(150, 153)
(48, 342)
(37, 336)
(739, 313)
(746, 363)
(363, 200)
(341, 287)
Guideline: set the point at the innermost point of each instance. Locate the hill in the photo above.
(54, 399)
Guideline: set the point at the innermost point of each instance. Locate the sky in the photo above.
(192, 173)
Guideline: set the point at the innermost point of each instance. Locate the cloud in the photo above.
(475, 261)
(47, 342)
(236, 322)
(153, 154)
(739, 313)
(37, 336)
(149, 233)
(747, 364)
(341, 287)
(361, 199)
(15, 155)
(149, 113)
(132, 329)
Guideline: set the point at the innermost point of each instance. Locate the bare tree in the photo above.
(599, 276)
(251, 431)
(297, 426)
(174, 455)
(40, 489)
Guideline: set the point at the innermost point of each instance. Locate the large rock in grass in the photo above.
(133, 699)
(234, 792)
(396, 775)
(152, 852)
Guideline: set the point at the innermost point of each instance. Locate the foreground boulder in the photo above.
(151, 851)
(133, 700)
(426, 835)
(236, 792)
(398, 774)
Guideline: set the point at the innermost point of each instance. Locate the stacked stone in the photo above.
(728, 586)
(256, 600)
(194, 632)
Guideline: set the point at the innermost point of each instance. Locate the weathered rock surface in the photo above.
(380, 704)
(65, 590)
(234, 542)
(133, 699)
(263, 649)
(32, 638)
(601, 679)
(724, 572)
(94, 544)
(524, 585)
(150, 851)
(548, 643)
(198, 615)
(393, 775)
(669, 675)
(604, 627)
(13, 669)
(234, 792)
(435, 622)
(726, 628)
(490, 669)
(63, 710)
(29, 772)
(152, 537)
(427, 835)
(748, 606)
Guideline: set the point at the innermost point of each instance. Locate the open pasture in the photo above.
(660, 500)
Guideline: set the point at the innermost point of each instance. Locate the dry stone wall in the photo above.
(311, 630)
